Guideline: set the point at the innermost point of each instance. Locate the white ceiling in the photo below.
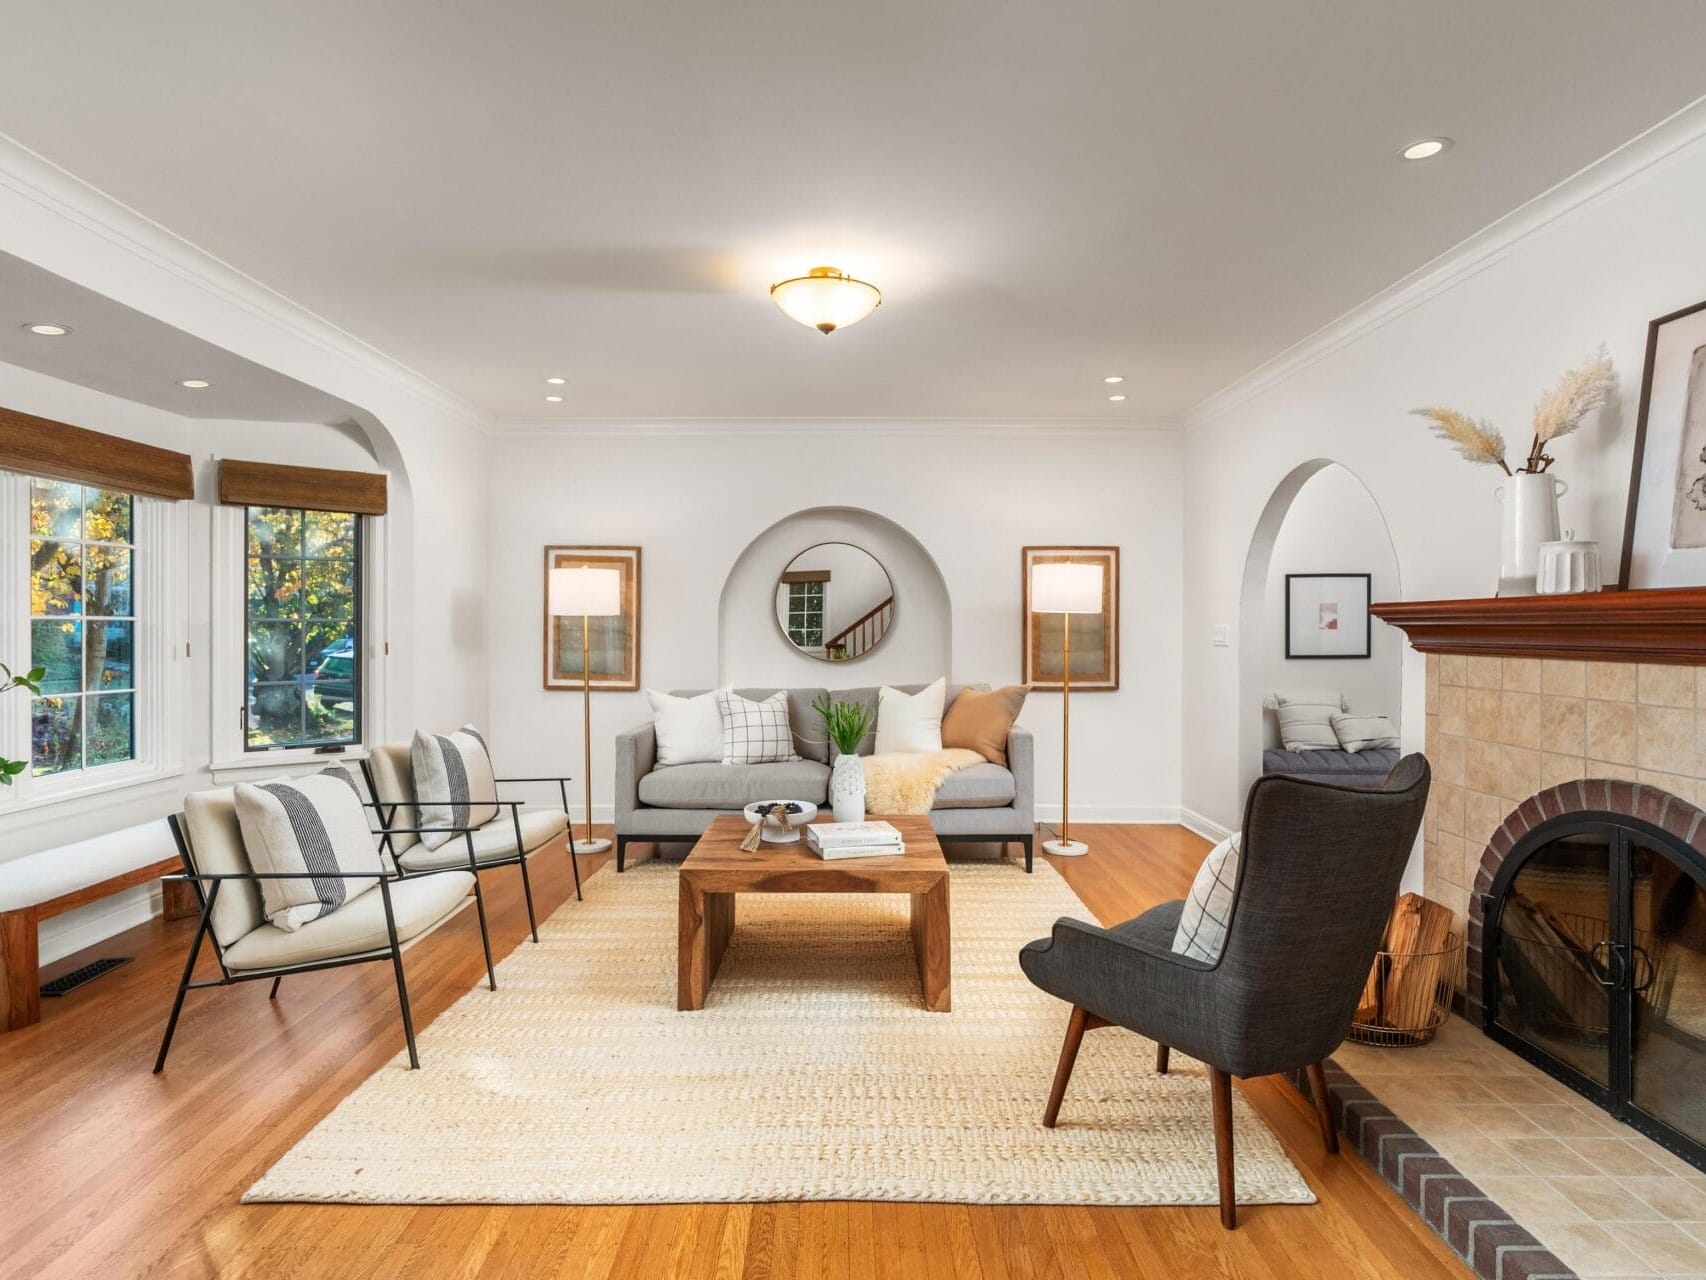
(1173, 190)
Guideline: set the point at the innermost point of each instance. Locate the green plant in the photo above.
(847, 723)
(10, 769)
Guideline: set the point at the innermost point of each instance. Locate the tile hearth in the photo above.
(1604, 1199)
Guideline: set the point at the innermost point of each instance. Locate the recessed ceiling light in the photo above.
(194, 384)
(556, 382)
(555, 399)
(1116, 397)
(47, 330)
(1425, 148)
(1111, 380)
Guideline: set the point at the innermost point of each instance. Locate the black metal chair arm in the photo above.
(553, 778)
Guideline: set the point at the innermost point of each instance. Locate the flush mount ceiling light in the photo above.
(194, 384)
(1112, 379)
(1425, 148)
(826, 299)
(47, 330)
(556, 382)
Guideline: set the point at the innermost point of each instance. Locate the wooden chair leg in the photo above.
(1220, 1087)
(1075, 1026)
(1323, 1108)
(1162, 1054)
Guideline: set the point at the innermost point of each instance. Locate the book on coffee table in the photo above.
(834, 853)
(832, 840)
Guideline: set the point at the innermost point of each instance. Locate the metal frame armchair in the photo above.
(1319, 868)
(390, 778)
(248, 949)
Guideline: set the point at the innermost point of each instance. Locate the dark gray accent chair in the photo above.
(1319, 870)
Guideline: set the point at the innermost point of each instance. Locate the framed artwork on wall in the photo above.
(1095, 636)
(1326, 615)
(613, 643)
(1664, 532)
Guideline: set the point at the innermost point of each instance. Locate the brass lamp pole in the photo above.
(1066, 588)
(587, 592)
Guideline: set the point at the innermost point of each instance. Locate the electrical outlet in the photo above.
(1220, 635)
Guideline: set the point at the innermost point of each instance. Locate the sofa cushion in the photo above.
(810, 741)
(732, 786)
(981, 786)
(982, 721)
(868, 696)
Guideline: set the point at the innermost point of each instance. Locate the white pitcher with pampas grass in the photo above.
(1530, 498)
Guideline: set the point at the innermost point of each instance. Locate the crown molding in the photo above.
(38, 180)
(726, 427)
(1659, 144)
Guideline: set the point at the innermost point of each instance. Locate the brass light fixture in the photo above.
(826, 299)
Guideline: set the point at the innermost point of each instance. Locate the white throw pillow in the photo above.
(1208, 907)
(755, 732)
(314, 824)
(1364, 733)
(1306, 719)
(689, 730)
(454, 784)
(910, 721)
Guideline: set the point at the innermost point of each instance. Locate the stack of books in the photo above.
(832, 840)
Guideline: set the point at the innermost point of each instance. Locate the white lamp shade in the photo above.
(1066, 588)
(826, 300)
(585, 592)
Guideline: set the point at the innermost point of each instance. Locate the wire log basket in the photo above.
(1407, 996)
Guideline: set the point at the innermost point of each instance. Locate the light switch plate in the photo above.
(1220, 635)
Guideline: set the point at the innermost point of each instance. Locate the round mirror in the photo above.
(834, 602)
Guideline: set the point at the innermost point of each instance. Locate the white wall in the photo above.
(972, 496)
(1484, 332)
(1333, 526)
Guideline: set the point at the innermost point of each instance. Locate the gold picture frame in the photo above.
(1095, 636)
(613, 643)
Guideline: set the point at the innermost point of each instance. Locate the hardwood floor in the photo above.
(111, 1171)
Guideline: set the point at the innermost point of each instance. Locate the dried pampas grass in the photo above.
(1477, 441)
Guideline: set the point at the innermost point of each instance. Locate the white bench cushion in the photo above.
(52, 873)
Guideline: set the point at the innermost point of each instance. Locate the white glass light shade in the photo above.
(1066, 588)
(826, 300)
(585, 592)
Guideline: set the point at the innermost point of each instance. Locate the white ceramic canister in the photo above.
(1568, 567)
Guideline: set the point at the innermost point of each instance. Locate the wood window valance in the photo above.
(269, 484)
(806, 575)
(59, 451)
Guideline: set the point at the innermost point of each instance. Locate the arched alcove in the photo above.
(1321, 518)
(751, 650)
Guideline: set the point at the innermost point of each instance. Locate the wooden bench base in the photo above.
(20, 954)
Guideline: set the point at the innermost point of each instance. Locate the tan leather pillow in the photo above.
(981, 721)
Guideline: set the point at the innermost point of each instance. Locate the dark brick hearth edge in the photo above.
(1494, 1245)
(1637, 800)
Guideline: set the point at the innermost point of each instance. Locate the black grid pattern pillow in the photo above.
(755, 732)
(1208, 907)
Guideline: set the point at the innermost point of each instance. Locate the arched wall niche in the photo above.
(751, 650)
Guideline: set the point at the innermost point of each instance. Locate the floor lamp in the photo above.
(1066, 588)
(586, 593)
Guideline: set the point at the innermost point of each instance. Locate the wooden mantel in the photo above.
(1666, 626)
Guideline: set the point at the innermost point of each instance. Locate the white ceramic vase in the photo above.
(1530, 517)
(847, 789)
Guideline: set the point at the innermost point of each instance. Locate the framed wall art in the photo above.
(1095, 636)
(613, 643)
(1664, 532)
(1326, 615)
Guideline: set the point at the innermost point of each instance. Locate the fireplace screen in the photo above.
(1597, 970)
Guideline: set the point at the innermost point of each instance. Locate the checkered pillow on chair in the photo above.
(1208, 907)
(755, 732)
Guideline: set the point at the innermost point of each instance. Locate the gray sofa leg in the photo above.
(621, 853)
(1029, 841)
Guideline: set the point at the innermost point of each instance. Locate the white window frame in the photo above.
(230, 665)
(159, 569)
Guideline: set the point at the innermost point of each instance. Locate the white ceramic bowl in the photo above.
(776, 830)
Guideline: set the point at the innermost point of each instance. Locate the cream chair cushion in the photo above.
(355, 928)
(216, 849)
(493, 841)
(394, 783)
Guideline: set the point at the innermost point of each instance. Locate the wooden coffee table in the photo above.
(718, 869)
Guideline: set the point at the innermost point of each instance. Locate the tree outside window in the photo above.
(302, 626)
(82, 626)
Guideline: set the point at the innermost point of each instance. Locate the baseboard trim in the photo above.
(91, 925)
(1208, 829)
(1139, 814)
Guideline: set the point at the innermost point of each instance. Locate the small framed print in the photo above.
(1326, 615)
(1664, 531)
(613, 644)
(1095, 636)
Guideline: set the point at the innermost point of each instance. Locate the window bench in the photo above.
(41, 885)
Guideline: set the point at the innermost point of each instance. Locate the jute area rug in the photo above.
(812, 1073)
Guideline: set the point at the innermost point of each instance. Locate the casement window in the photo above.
(805, 614)
(92, 534)
(302, 628)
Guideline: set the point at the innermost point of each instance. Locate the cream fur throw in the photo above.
(905, 782)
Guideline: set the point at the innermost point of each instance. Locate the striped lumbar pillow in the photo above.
(1208, 908)
(1362, 733)
(454, 783)
(314, 824)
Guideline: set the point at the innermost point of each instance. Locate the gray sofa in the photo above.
(985, 803)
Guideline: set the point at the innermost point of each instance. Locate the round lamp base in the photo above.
(596, 845)
(1066, 848)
